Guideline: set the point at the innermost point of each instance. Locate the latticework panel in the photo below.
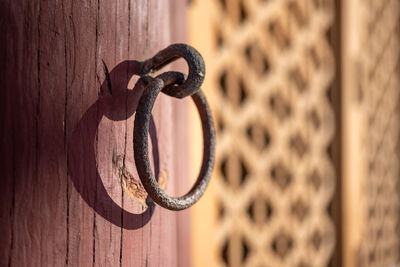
(271, 68)
(380, 91)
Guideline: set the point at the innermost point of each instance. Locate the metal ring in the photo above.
(140, 144)
(173, 52)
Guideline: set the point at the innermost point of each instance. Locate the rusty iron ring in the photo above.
(140, 144)
(171, 53)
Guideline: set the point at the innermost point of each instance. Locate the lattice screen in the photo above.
(271, 69)
(380, 92)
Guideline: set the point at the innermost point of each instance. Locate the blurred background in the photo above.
(305, 95)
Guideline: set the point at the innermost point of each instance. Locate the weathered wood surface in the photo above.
(66, 134)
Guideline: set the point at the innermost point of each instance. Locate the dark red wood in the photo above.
(82, 91)
(19, 127)
(66, 118)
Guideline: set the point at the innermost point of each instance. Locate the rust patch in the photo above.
(131, 185)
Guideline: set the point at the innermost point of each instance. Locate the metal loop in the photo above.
(142, 160)
(171, 53)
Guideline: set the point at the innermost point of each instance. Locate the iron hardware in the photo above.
(173, 84)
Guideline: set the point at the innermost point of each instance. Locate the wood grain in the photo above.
(19, 149)
(81, 46)
(66, 115)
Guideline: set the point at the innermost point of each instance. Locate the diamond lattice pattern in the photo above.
(271, 73)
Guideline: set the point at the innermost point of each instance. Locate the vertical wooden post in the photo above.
(66, 123)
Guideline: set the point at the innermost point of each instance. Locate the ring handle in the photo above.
(173, 52)
(140, 144)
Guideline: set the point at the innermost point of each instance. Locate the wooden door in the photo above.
(70, 193)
